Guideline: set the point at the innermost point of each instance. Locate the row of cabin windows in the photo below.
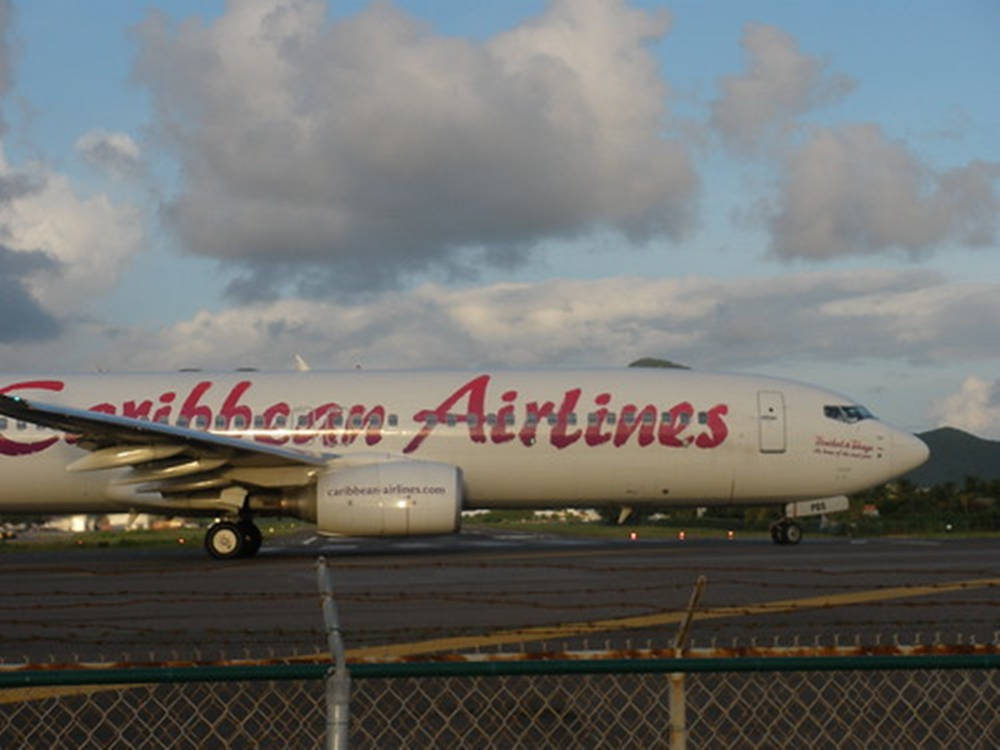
(629, 418)
(357, 422)
(281, 422)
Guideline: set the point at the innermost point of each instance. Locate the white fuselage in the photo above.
(521, 439)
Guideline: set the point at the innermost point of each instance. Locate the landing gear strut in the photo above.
(227, 540)
(786, 532)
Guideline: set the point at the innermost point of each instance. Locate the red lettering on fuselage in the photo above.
(10, 447)
(648, 421)
(276, 424)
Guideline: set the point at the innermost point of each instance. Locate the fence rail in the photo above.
(477, 700)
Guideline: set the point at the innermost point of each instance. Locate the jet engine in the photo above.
(390, 498)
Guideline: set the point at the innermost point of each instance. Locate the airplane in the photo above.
(383, 453)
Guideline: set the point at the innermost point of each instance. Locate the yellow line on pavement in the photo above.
(569, 630)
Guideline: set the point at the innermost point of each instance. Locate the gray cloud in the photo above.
(22, 318)
(349, 153)
(779, 84)
(113, 152)
(846, 317)
(851, 191)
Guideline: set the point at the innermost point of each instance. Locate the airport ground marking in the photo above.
(569, 630)
(593, 627)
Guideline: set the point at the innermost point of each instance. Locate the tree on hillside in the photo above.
(654, 362)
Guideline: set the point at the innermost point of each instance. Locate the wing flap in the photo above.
(111, 433)
(180, 463)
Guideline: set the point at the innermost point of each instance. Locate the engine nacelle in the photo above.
(390, 498)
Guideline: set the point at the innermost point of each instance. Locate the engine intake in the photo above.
(393, 498)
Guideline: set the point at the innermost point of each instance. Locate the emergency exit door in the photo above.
(771, 421)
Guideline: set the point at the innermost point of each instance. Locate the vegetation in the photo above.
(654, 362)
(906, 508)
(895, 508)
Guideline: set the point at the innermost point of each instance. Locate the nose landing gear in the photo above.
(786, 531)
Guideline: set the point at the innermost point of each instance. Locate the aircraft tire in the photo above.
(776, 535)
(252, 538)
(791, 533)
(225, 540)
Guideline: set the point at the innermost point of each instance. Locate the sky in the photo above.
(807, 190)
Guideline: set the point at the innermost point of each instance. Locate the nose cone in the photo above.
(908, 452)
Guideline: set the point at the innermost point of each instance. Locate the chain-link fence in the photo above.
(897, 700)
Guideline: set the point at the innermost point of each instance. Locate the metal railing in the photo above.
(892, 699)
(855, 695)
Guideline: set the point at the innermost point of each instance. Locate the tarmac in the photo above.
(486, 591)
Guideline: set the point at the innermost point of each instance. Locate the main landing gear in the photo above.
(786, 532)
(229, 539)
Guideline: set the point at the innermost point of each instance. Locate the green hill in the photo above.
(956, 455)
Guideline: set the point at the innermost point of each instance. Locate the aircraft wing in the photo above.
(167, 459)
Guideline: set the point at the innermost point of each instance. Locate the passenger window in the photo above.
(375, 421)
(280, 421)
(472, 419)
(553, 419)
(201, 422)
(451, 420)
(591, 418)
(182, 421)
(258, 421)
(3, 423)
(393, 420)
(509, 419)
(239, 422)
(702, 417)
(610, 418)
(491, 419)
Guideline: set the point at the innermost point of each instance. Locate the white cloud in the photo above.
(347, 154)
(852, 191)
(780, 84)
(974, 408)
(113, 152)
(86, 239)
(712, 324)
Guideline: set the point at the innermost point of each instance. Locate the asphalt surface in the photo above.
(491, 591)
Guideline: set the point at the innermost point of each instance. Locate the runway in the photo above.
(489, 590)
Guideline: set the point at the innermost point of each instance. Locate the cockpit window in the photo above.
(849, 414)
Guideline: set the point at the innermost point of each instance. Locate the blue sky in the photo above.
(802, 189)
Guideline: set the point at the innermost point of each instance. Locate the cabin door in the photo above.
(771, 421)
